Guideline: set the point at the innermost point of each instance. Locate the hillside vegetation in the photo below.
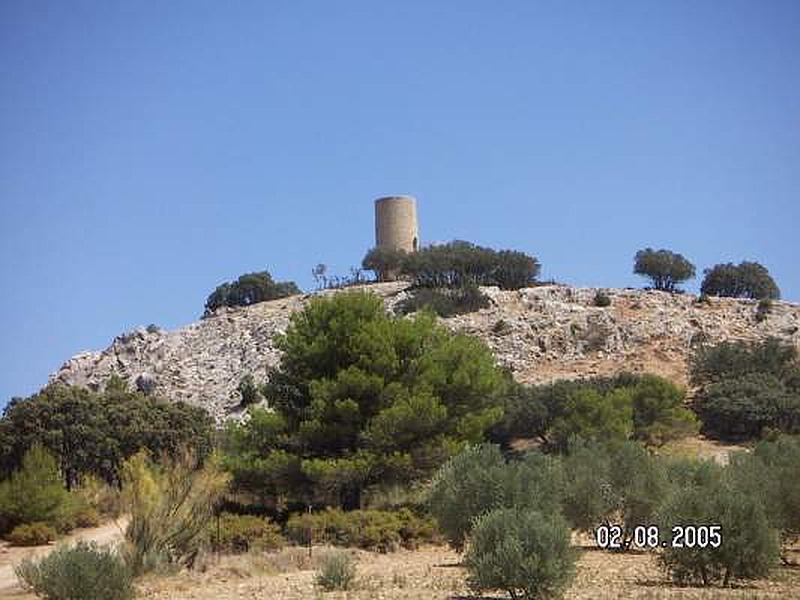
(467, 404)
(374, 434)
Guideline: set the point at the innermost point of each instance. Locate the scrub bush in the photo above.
(601, 299)
(84, 571)
(241, 533)
(445, 302)
(526, 553)
(31, 534)
(368, 529)
(338, 572)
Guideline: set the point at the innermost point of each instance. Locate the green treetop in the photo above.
(360, 398)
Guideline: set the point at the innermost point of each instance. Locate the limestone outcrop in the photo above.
(541, 333)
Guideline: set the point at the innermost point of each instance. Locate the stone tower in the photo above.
(396, 223)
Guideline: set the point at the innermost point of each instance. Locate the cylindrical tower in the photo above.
(396, 223)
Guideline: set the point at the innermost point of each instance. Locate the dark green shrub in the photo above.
(31, 534)
(514, 270)
(368, 529)
(65, 521)
(742, 408)
(386, 263)
(763, 309)
(250, 288)
(646, 407)
(458, 264)
(80, 572)
(445, 302)
(745, 280)
(747, 388)
(526, 553)
(729, 360)
(76, 512)
(749, 547)
(529, 412)
(658, 412)
(34, 493)
(501, 327)
(241, 533)
(93, 433)
(601, 299)
(338, 572)
(249, 391)
(703, 300)
(664, 268)
(593, 415)
(479, 479)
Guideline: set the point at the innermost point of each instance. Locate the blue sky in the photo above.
(151, 150)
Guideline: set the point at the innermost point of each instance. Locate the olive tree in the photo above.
(749, 545)
(745, 280)
(525, 552)
(479, 479)
(664, 268)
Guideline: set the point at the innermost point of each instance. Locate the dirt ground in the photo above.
(430, 573)
(702, 447)
(433, 573)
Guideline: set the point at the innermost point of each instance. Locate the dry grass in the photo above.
(431, 573)
(701, 447)
(434, 573)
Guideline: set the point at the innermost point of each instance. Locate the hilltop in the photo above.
(541, 333)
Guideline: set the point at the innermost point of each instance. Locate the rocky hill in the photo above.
(541, 333)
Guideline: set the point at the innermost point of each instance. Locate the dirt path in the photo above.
(108, 533)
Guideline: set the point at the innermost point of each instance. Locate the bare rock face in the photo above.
(201, 364)
(553, 332)
(541, 334)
